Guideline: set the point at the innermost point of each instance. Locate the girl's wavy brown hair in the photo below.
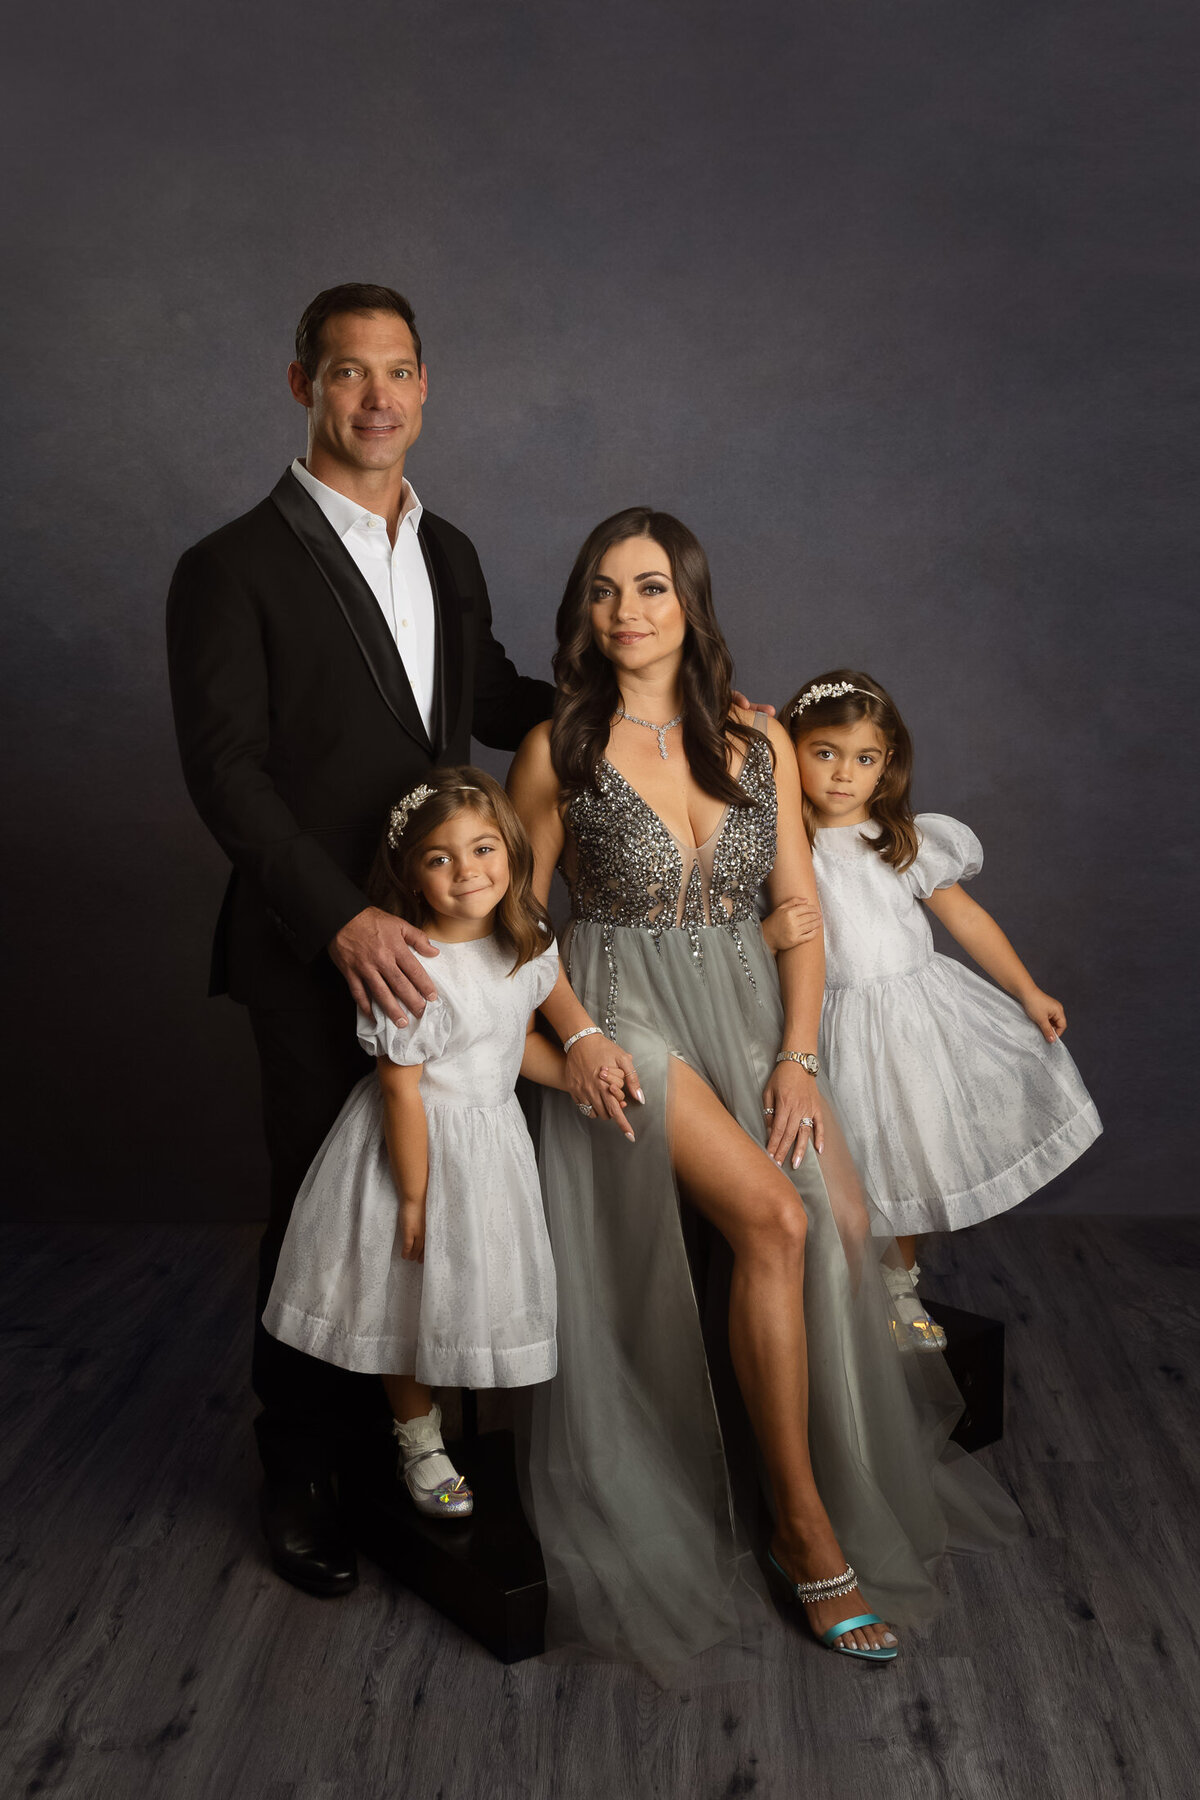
(588, 694)
(889, 806)
(522, 924)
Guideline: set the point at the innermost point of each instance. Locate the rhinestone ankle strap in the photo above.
(832, 1588)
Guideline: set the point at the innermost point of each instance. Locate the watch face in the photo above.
(810, 1063)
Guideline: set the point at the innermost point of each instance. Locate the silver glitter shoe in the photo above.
(419, 1439)
(912, 1327)
(453, 1499)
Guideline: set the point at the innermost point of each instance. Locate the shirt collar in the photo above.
(343, 513)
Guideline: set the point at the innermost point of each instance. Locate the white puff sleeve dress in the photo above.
(481, 1310)
(955, 1104)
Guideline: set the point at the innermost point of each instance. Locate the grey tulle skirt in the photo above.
(628, 1481)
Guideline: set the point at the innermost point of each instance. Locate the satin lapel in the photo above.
(447, 603)
(359, 606)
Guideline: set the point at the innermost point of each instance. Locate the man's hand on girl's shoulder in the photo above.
(375, 952)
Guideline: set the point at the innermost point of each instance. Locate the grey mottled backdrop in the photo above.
(877, 297)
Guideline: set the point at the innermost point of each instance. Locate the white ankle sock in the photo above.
(415, 1437)
(898, 1280)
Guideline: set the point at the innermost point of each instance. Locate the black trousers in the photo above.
(309, 1060)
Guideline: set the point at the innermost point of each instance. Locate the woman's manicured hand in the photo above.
(592, 1063)
(790, 1097)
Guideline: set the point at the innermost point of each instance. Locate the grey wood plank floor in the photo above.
(147, 1649)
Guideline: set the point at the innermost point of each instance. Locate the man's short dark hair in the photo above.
(350, 297)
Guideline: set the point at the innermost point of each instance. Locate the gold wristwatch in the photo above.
(808, 1062)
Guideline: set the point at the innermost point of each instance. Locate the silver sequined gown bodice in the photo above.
(628, 869)
(665, 948)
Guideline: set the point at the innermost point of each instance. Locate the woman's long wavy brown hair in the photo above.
(522, 924)
(588, 694)
(889, 806)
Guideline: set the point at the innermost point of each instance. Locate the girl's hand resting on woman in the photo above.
(599, 1075)
(789, 1098)
(793, 922)
(1047, 1014)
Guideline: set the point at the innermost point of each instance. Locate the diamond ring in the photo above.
(586, 1108)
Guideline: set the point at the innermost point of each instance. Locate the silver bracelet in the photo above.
(588, 1031)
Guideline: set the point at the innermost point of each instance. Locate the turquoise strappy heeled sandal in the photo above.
(833, 1588)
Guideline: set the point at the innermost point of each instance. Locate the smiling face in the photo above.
(638, 620)
(365, 399)
(840, 768)
(462, 871)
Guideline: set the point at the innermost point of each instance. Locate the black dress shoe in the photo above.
(308, 1546)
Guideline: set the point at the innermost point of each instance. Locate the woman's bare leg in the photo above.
(754, 1206)
(907, 1247)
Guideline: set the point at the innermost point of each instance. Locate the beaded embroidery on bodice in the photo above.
(628, 869)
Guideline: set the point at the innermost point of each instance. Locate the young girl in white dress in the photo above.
(417, 1248)
(959, 1101)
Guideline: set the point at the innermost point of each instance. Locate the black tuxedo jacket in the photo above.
(298, 729)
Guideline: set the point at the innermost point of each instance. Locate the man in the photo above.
(326, 649)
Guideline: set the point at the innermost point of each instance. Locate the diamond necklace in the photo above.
(662, 730)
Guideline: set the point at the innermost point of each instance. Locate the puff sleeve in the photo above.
(420, 1041)
(544, 969)
(949, 852)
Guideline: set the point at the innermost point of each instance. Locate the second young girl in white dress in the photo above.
(417, 1249)
(960, 1102)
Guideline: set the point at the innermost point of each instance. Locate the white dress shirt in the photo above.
(396, 575)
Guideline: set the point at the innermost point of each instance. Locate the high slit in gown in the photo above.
(628, 1484)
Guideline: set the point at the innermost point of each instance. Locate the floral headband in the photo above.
(826, 690)
(404, 809)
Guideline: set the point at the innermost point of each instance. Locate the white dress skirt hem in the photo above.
(438, 1364)
(953, 1212)
(955, 1105)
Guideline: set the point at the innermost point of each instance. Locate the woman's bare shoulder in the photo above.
(779, 737)
(775, 734)
(536, 743)
(531, 771)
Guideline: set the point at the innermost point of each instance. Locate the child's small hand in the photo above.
(613, 1080)
(792, 923)
(412, 1230)
(1047, 1014)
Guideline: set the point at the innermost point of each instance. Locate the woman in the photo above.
(667, 808)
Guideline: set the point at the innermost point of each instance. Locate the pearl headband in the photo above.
(826, 690)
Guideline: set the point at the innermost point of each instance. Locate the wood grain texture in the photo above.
(148, 1651)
